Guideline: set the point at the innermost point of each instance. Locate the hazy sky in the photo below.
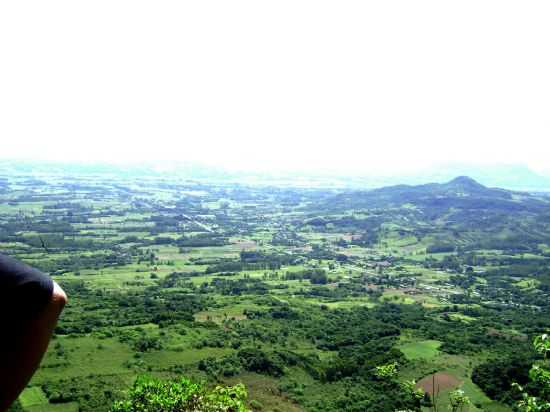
(366, 85)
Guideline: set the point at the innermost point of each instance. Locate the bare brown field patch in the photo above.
(441, 380)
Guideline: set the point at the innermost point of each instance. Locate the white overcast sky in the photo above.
(342, 85)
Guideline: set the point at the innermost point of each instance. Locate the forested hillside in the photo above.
(391, 299)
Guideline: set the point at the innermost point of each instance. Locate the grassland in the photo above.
(425, 349)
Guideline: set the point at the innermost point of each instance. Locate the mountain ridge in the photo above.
(462, 192)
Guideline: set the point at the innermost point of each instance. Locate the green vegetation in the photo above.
(426, 349)
(314, 299)
(537, 397)
(31, 397)
(152, 395)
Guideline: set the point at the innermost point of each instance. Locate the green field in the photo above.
(425, 349)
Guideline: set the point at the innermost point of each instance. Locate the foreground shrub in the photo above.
(154, 395)
(540, 377)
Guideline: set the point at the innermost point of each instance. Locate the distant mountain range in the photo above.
(461, 193)
(462, 186)
(514, 177)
